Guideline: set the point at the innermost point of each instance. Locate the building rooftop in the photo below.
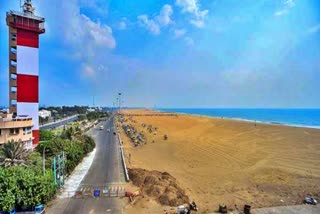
(4, 117)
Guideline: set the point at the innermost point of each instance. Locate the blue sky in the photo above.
(176, 53)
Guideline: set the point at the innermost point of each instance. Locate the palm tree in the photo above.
(13, 153)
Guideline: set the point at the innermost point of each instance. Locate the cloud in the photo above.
(122, 25)
(286, 6)
(164, 18)
(178, 33)
(314, 29)
(88, 70)
(149, 24)
(99, 34)
(81, 38)
(189, 41)
(193, 7)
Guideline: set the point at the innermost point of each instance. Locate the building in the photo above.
(91, 110)
(16, 128)
(44, 113)
(24, 31)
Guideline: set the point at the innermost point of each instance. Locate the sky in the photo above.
(175, 53)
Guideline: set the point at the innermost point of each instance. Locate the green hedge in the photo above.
(22, 187)
(26, 186)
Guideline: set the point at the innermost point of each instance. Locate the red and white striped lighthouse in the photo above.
(24, 31)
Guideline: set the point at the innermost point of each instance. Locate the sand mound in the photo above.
(160, 186)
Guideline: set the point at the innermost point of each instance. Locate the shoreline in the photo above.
(241, 120)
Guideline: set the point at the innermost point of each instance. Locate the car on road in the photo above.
(108, 130)
(101, 127)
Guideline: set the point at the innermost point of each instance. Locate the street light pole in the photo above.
(44, 161)
(119, 102)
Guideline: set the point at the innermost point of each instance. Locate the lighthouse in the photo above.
(24, 30)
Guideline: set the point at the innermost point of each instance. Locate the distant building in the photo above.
(24, 30)
(44, 113)
(18, 128)
(91, 110)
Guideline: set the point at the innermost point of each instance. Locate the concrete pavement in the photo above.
(106, 168)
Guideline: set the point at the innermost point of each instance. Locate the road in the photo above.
(58, 123)
(106, 168)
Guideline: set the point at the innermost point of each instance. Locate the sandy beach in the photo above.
(227, 161)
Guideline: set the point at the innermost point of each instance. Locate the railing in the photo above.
(12, 12)
(123, 158)
(25, 21)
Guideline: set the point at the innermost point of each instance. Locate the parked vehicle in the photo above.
(101, 127)
(34, 210)
(310, 200)
(183, 210)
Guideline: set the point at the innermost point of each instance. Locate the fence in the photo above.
(123, 158)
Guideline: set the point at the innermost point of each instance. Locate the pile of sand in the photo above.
(160, 186)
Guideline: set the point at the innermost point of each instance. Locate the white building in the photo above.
(91, 110)
(44, 113)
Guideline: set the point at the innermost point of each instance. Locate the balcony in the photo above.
(13, 56)
(24, 21)
(13, 82)
(13, 95)
(13, 69)
(13, 108)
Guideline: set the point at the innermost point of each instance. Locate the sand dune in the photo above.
(229, 161)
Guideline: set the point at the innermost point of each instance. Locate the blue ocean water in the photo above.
(291, 117)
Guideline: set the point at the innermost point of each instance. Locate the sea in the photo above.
(291, 117)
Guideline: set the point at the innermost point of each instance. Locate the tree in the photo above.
(22, 187)
(8, 187)
(46, 135)
(13, 153)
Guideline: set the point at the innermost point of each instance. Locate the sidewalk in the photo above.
(294, 209)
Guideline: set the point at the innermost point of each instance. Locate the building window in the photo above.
(0, 132)
(14, 131)
(27, 130)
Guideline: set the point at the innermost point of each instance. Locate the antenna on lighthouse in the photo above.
(27, 7)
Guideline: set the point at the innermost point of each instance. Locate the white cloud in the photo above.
(88, 70)
(122, 25)
(189, 6)
(83, 38)
(189, 41)
(149, 24)
(289, 3)
(178, 33)
(100, 34)
(286, 6)
(193, 7)
(314, 29)
(281, 12)
(164, 18)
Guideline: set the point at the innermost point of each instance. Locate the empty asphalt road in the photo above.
(106, 168)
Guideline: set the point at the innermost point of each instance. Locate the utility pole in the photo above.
(119, 102)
